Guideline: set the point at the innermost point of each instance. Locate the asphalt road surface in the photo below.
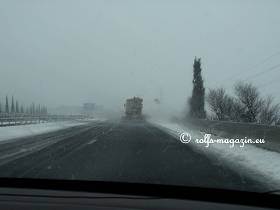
(118, 151)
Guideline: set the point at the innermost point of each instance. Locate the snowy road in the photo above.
(13, 149)
(119, 151)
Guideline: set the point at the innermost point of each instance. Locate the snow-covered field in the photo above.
(257, 162)
(11, 132)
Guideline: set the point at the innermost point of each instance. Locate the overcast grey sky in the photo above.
(58, 52)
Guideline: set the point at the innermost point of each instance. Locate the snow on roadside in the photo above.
(11, 132)
(259, 163)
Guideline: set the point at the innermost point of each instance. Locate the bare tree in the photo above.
(269, 113)
(249, 97)
(238, 111)
(220, 103)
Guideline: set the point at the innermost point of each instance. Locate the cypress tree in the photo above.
(197, 99)
(13, 105)
(21, 109)
(17, 107)
(7, 105)
(33, 108)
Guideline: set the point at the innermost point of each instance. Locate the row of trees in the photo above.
(14, 107)
(246, 105)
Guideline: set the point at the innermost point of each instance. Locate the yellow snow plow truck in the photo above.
(133, 108)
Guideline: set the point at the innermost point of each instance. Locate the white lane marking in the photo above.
(92, 141)
(26, 150)
(166, 148)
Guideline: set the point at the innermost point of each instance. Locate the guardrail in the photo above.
(13, 119)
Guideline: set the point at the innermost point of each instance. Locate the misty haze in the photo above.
(158, 92)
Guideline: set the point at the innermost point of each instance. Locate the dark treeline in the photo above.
(245, 105)
(12, 106)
